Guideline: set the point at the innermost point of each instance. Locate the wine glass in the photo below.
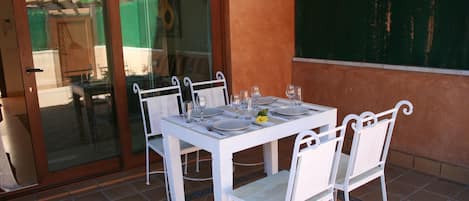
(290, 91)
(201, 104)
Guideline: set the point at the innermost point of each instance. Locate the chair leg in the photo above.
(383, 188)
(346, 196)
(147, 164)
(185, 163)
(335, 194)
(197, 168)
(166, 181)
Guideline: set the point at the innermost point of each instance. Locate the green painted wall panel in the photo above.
(38, 29)
(426, 33)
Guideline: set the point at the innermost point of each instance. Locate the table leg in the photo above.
(91, 118)
(326, 128)
(271, 157)
(172, 159)
(222, 172)
(79, 115)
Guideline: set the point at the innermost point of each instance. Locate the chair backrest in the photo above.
(214, 90)
(314, 163)
(158, 103)
(371, 139)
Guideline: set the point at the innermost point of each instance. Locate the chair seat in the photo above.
(272, 188)
(356, 181)
(156, 144)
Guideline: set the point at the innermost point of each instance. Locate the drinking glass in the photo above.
(244, 97)
(201, 104)
(188, 107)
(255, 92)
(290, 91)
(235, 101)
(298, 96)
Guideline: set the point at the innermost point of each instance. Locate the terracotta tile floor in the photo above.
(402, 184)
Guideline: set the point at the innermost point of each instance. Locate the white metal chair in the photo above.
(214, 90)
(156, 104)
(312, 173)
(371, 140)
(216, 93)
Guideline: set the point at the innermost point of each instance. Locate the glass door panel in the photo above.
(163, 38)
(74, 88)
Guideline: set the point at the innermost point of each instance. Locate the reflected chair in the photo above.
(156, 104)
(312, 173)
(370, 145)
(216, 93)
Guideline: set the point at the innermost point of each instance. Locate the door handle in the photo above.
(34, 70)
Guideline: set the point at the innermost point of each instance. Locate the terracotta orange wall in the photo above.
(439, 127)
(261, 44)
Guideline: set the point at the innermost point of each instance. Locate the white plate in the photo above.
(231, 124)
(208, 112)
(264, 101)
(291, 111)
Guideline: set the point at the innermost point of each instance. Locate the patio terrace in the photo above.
(402, 184)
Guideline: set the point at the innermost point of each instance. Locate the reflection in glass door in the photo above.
(163, 38)
(73, 82)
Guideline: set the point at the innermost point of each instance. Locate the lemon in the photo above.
(262, 119)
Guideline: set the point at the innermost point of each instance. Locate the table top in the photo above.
(203, 133)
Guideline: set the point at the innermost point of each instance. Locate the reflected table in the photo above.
(222, 146)
(87, 90)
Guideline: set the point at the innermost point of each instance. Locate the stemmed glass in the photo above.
(290, 91)
(201, 102)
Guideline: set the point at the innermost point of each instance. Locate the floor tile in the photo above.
(81, 187)
(119, 191)
(53, 194)
(136, 197)
(367, 188)
(141, 186)
(95, 196)
(392, 172)
(415, 179)
(445, 188)
(377, 196)
(155, 194)
(427, 196)
(399, 189)
(463, 196)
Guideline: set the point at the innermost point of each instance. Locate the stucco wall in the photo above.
(438, 128)
(261, 42)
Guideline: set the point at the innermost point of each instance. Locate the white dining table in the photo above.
(223, 145)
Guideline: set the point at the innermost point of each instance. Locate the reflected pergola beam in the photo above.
(64, 7)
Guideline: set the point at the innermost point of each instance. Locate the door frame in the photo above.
(3, 86)
(45, 177)
(114, 45)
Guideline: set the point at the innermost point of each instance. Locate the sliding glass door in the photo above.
(69, 88)
(163, 38)
(79, 59)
